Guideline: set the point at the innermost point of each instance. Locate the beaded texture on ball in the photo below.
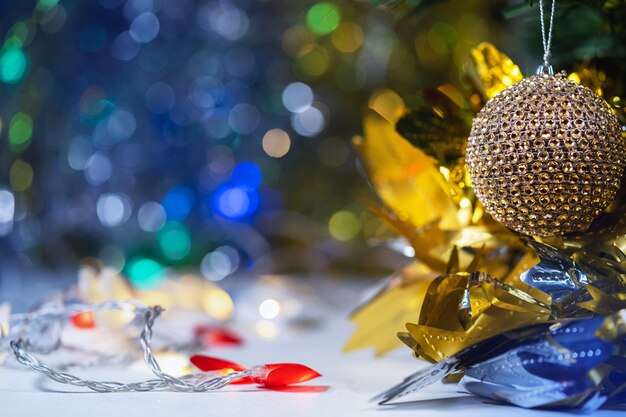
(546, 156)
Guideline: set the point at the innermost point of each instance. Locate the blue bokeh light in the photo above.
(247, 175)
(235, 202)
(178, 203)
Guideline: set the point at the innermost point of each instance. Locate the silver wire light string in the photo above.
(546, 68)
(199, 382)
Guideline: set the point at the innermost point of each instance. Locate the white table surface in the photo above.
(348, 383)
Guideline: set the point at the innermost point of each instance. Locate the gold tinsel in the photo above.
(464, 260)
(546, 156)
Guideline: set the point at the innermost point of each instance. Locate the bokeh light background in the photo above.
(210, 135)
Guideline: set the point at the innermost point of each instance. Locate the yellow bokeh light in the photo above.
(465, 211)
(160, 298)
(344, 225)
(295, 38)
(114, 319)
(387, 103)
(217, 303)
(21, 175)
(472, 28)
(276, 143)
(5, 312)
(266, 329)
(437, 42)
(173, 363)
(348, 37)
(98, 287)
(574, 77)
(426, 56)
(312, 60)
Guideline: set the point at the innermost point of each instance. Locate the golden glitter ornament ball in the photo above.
(546, 156)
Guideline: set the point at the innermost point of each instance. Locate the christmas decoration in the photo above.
(543, 366)
(234, 118)
(187, 292)
(216, 336)
(546, 156)
(431, 205)
(39, 332)
(269, 375)
(533, 320)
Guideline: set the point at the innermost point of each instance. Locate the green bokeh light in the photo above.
(17, 35)
(12, 65)
(344, 225)
(323, 18)
(46, 4)
(145, 274)
(174, 241)
(20, 131)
